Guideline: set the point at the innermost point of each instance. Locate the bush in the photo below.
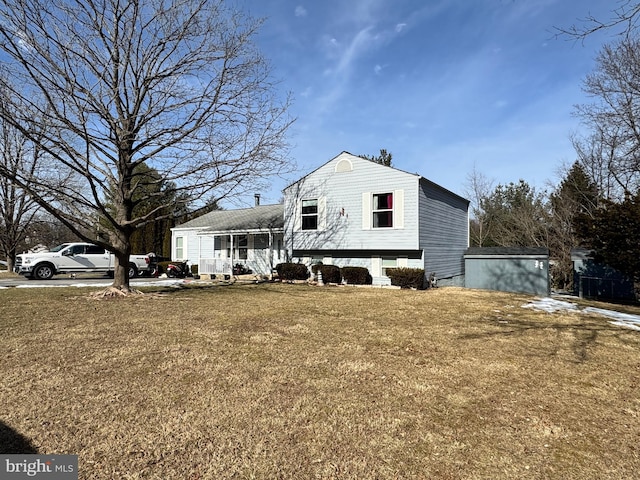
(356, 275)
(407, 277)
(330, 274)
(292, 271)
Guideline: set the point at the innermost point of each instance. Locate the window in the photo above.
(76, 250)
(310, 214)
(383, 210)
(243, 243)
(94, 250)
(388, 262)
(179, 248)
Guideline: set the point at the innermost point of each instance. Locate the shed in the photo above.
(592, 279)
(508, 269)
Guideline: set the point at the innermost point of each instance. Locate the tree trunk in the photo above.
(11, 256)
(121, 272)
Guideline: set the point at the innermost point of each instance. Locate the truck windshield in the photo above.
(59, 247)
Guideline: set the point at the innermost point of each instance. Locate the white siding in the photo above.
(347, 203)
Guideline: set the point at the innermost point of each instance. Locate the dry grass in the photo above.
(288, 381)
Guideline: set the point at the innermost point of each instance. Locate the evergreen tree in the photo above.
(383, 159)
(518, 216)
(576, 195)
(612, 230)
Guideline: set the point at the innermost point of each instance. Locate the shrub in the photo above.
(407, 277)
(330, 274)
(292, 271)
(357, 275)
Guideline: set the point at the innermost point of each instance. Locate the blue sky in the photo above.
(444, 85)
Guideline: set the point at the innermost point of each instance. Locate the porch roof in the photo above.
(261, 218)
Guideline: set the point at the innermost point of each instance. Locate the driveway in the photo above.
(8, 280)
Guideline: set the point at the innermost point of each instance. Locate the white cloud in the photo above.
(360, 43)
(300, 11)
(400, 27)
(377, 69)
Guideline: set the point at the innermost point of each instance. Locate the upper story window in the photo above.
(310, 214)
(382, 210)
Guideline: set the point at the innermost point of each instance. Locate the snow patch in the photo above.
(551, 305)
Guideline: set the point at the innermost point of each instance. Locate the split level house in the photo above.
(348, 212)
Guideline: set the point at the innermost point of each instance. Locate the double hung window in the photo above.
(243, 247)
(310, 214)
(383, 210)
(179, 254)
(388, 262)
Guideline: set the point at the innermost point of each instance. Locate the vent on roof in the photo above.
(344, 166)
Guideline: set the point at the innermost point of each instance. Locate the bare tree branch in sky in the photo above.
(610, 153)
(623, 21)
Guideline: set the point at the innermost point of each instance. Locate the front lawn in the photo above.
(291, 381)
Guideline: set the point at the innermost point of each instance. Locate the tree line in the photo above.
(596, 205)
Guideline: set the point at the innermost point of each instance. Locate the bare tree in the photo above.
(623, 21)
(17, 209)
(177, 85)
(611, 152)
(518, 215)
(478, 187)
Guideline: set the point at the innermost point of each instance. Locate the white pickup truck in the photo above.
(74, 258)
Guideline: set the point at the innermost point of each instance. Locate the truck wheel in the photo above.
(133, 271)
(44, 271)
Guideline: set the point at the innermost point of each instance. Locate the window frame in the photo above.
(378, 212)
(388, 260)
(242, 247)
(310, 215)
(179, 248)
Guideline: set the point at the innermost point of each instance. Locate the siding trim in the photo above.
(366, 210)
(398, 209)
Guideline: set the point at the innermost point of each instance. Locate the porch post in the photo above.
(270, 255)
(231, 259)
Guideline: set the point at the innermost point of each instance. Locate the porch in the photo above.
(239, 252)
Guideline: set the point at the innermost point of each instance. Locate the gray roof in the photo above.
(261, 217)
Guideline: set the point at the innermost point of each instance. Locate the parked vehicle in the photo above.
(240, 269)
(154, 265)
(179, 269)
(75, 258)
